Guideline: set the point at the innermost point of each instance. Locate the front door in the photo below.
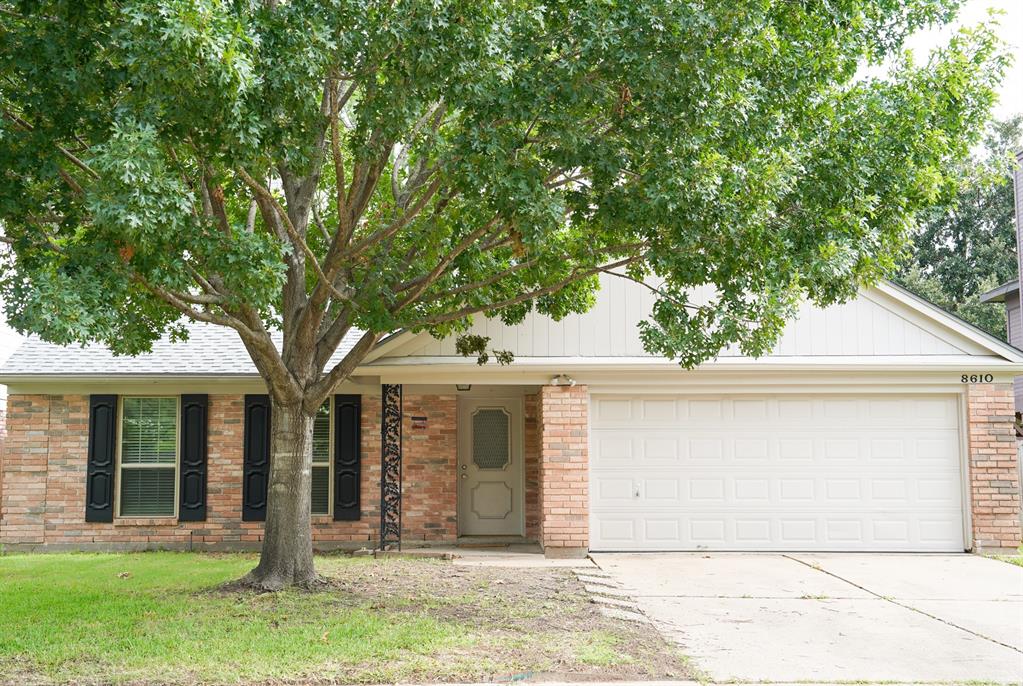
(490, 491)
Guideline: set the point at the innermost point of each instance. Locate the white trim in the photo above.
(330, 463)
(937, 315)
(978, 347)
(948, 377)
(965, 476)
(391, 342)
(778, 362)
(134, 385)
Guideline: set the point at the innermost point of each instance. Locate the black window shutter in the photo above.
(256, 469)
(347, 456)
(192, 490)
(99, 479)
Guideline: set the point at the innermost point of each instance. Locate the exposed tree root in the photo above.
(274, 581)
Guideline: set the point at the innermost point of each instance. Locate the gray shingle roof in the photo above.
(209, 351)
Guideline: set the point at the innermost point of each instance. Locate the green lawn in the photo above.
(160, 618)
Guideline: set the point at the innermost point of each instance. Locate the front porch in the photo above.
(478, 465)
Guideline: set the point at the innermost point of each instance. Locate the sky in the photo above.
(972, 13)
(1010, 29)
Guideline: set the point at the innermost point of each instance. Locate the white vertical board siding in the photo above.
(867, 325)
(871, 473)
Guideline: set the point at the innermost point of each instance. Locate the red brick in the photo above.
(44, 462)
(563, 500)
(994, 473)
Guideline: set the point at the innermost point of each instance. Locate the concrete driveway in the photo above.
(833, 617)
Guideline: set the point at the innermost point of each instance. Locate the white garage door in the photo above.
(876, 472)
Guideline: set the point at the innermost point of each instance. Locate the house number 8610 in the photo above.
(978, 378)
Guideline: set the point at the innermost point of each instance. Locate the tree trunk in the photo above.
(287, 555)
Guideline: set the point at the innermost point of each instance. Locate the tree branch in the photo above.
(341, 371)
(427, 280)
(297, 241)
(656, 291)
(482, 283)
(394, 227)
(181, 302)
(577, 275)
(64, 151)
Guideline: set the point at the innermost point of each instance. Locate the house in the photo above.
(1008, 293)
(882, 424)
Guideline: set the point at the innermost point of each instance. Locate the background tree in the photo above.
(967, 245)
(318, 167)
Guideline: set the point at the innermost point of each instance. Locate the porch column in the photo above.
(994, 472)
(390, 465)
(564, 470)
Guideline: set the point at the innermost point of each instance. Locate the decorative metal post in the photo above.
(390, 466)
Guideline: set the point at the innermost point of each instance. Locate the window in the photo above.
(323, 466)
(491, 448)
(148, 457)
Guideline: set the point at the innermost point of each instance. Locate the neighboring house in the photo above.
(1008, 293)
(881, 424)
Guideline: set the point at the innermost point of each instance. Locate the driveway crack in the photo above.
(894, 601)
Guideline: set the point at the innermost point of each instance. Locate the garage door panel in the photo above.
(790, 531)
(666, 488)
(851, 479)
(641, 448)
(695, 413)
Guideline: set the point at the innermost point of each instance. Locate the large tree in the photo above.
(966, 245)
(316, 167)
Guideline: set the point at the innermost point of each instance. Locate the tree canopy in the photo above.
(324, 167)
(315, 166)
(966, 245)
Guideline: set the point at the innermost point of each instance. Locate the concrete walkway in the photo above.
(524, 555)
(834, 617)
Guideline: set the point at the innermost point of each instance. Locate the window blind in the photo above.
(320, 498)
(149, 440)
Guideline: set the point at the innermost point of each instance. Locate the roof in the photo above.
(884, 321)
(887, 323)
(997, 295)
(210, 350)
(941, 316)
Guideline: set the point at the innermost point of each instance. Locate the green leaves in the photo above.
(436, 160)
(966, 244)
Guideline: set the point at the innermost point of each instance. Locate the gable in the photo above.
(881, 321)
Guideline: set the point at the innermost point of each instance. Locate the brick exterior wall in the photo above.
(44, 465)
(24, 465)
(994, 469)
(564, 470)
(430, 469)
(531, 449)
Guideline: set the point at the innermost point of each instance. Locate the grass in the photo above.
(142, 613)
(160, 618)
(1012, 559)
(601, 649)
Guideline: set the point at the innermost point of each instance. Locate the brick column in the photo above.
(23, 509)
(564, 471)
(994, 474)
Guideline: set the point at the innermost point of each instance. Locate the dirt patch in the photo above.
(536, 623)
(165, 618)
